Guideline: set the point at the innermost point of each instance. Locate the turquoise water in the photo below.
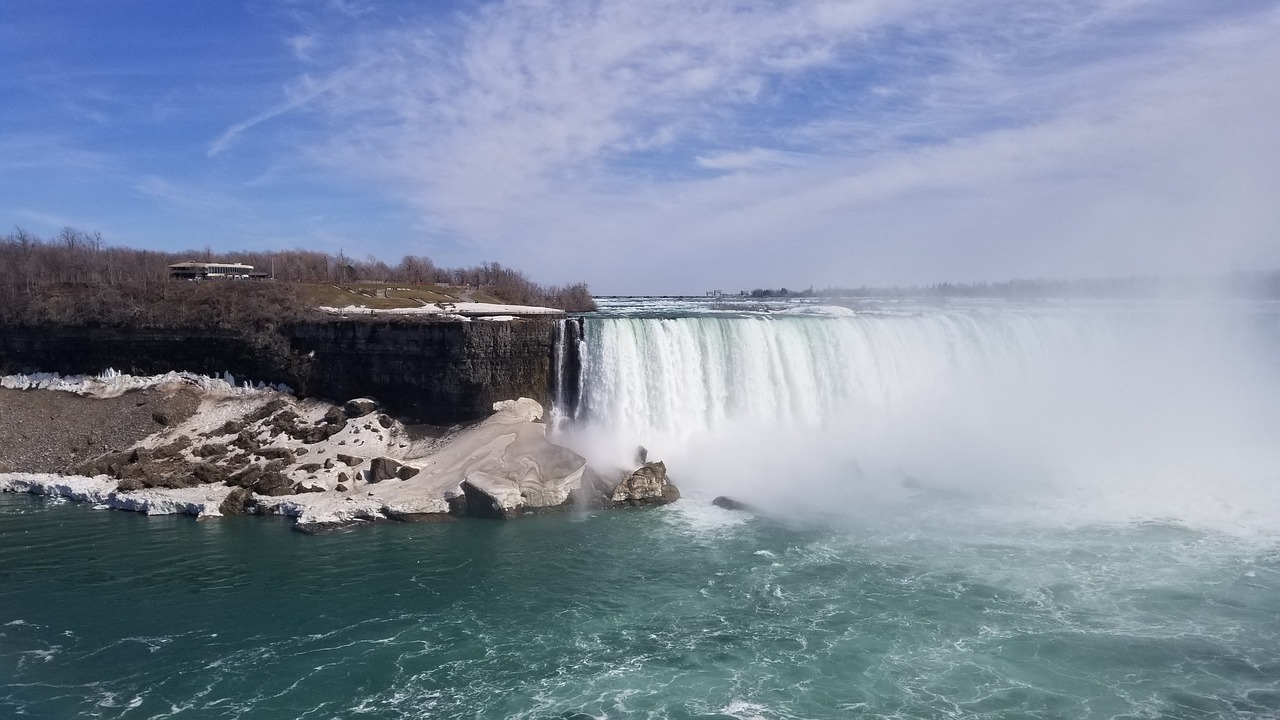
(687, 611)
(984, 511)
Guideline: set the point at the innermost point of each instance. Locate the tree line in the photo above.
(76, 277)
(1254, 285)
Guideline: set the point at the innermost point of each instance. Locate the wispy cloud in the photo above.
(896, 140)
(24, 152)
(186, 200)
(305, 91)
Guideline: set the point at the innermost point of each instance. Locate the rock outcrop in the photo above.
(258, 454)
(648, 485)
(428, 370)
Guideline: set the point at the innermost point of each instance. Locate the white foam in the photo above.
(819, 310)
(743, 710)
(1062, 416)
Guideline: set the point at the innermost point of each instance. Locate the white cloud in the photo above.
(696, 143)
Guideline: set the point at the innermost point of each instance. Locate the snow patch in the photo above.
(112, 383)
(451, 311)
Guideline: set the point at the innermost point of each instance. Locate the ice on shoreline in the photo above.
(112, 383)
(507, 455)
(461, 311)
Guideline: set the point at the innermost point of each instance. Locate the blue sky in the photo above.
(658, 145)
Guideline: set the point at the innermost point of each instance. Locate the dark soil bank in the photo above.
(47, 430)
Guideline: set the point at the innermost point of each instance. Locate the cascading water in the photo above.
(565, 381)
(1118, 413)
(688, 375)
(976, 471)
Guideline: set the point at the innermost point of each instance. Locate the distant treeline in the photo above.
(76, 277)
(1252, 285)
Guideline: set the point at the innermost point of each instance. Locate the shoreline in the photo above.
(261, 451)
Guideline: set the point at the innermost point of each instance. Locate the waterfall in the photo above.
(564, 379)
(691, 374)
(1140, 408)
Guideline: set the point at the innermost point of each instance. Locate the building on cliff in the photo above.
(203, 270)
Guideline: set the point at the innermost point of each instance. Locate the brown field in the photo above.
(383, 295)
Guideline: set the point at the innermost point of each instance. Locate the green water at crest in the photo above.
(681, 612)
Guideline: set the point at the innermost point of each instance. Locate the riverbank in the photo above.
(226, 450)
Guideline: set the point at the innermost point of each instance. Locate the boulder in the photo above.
(729, 503)
(208, 473)
(276, 453)
(180, 443)
(266, 411)
(407, 471)
(246, 477)
(648, 485)
(246, 441)
(238, 502)
(273, 484)
(359, 407)
(175, 481)
(210, 450)
(105, 465)
(382, 468)
(349, 460)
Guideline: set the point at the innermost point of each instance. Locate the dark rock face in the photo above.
(382, 468)
(431, 371)
(238, 502)
(437, 372)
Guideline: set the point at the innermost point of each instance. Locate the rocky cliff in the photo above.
(437, 372)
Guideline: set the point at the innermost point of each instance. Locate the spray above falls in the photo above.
(1117, 412)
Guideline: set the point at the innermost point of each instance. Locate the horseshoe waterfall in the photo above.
(970, 510)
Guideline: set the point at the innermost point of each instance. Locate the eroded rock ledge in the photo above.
(329, 466)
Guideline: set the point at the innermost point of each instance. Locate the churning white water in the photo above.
(1067, 414)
